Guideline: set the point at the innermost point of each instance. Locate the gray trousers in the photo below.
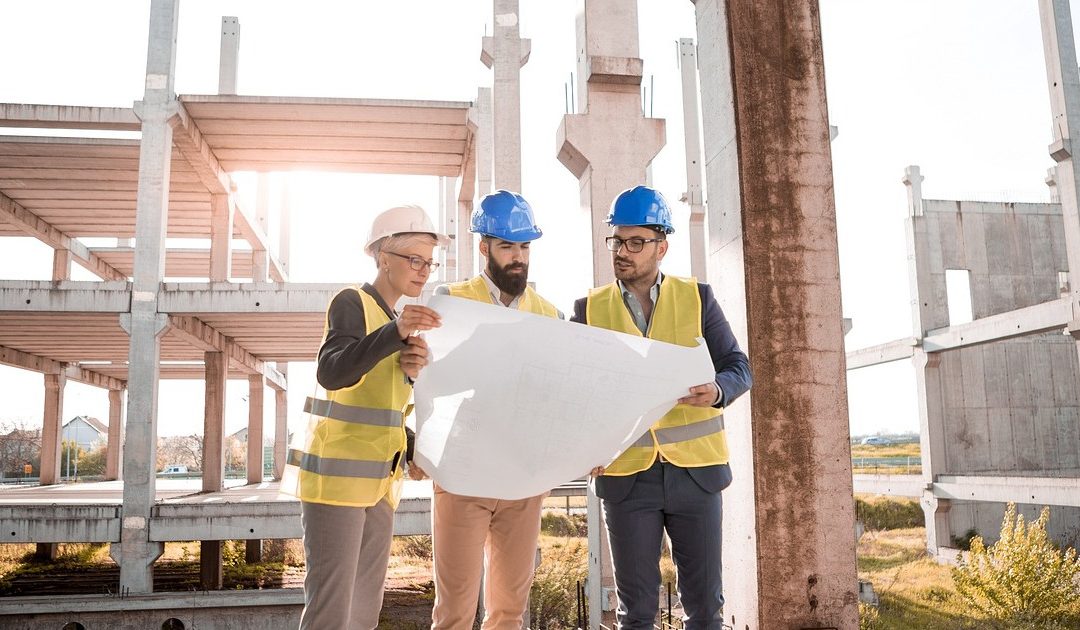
(347, 550)
(666, 497)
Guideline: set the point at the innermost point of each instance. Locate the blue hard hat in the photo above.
(507, 216)
(643, 206)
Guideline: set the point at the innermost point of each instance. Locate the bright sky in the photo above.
(957, 87)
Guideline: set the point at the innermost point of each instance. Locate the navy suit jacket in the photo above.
(732, 377)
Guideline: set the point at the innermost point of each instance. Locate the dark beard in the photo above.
(509, 284)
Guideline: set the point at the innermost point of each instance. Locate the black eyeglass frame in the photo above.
(614, 243)
(417, 263)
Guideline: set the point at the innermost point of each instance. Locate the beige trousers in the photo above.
(347, 550)
(468, 531)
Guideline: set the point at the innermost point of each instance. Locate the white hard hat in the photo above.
(402, 220)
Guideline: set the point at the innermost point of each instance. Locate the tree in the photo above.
(19, 445)
(185, 450)
(92, 464)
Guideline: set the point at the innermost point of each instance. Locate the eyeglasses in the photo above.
(633, 245)
(417, 263)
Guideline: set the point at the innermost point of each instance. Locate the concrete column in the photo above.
(256, 397)
(448, 217)
(484, 142)
(505, 53)
(1051, 183)
(285, 226)
(772, 219)
(694, 195)
(61, 269)
(136, 553)
(281, 423)
(113, 447)
(213, 458)
(932, 447)
(1063, 80)
(260, 265)
(221, 229)
(52, 429)
(229, 58)
(610, 108)
(262, 203)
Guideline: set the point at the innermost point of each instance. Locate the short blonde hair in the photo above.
(395, 242)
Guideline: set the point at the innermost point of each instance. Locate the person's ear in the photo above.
(484, 248)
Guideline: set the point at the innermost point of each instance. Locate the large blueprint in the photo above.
(513, 404)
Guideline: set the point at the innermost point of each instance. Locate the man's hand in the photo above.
(704, 395)
(596, 472)
(414, 356)
(416, 318)
(416, 473)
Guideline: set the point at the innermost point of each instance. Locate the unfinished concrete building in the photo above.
(999, 390)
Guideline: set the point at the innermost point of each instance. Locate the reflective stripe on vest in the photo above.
(358, 415)
(354, 446)
(477, 289)
(687, 436)
(339, 467)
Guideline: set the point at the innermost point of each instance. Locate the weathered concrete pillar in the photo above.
(609, 108)
(113, 447)
(790, 551)
(254, 463)
(52, 429)
(281, 423)
(505, 52)
(260, 265)
(1063, 80)
(213, 457)
(694, 195)
(285, 226)
(136, 553)
(229, 57)
(221, 229)
(61, 269)
(1051, 183)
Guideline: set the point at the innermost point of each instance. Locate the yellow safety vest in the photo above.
(477, 289)
(687, 436)
(354, 448)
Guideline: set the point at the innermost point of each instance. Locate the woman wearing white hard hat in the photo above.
(348, 469)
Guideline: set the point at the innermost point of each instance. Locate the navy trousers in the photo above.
(666, 497)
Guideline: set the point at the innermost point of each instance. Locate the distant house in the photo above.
(85, 431)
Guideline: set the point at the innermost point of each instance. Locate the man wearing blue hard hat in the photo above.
(464, 526)
(671, 477)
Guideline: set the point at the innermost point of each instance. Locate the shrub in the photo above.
(868, 616)
(559, 524)
(1023, 580)
(415, 547)
(554, 590)
(889, 513)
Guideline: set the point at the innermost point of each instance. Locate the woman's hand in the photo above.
(596, 472)
(416, 473)
(416, 318)
(414, 356)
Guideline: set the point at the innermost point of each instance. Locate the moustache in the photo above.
(625, 261)
(513, 266)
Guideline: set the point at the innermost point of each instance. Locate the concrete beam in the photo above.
(892, 485)
(189, 140)
(882, 353)
(68, 117)
(1040, 318)
(68, 296)
(14, 213)
(43, 523)
(16, 358)
(199, 335)
(197, 297)
(1064, 491)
